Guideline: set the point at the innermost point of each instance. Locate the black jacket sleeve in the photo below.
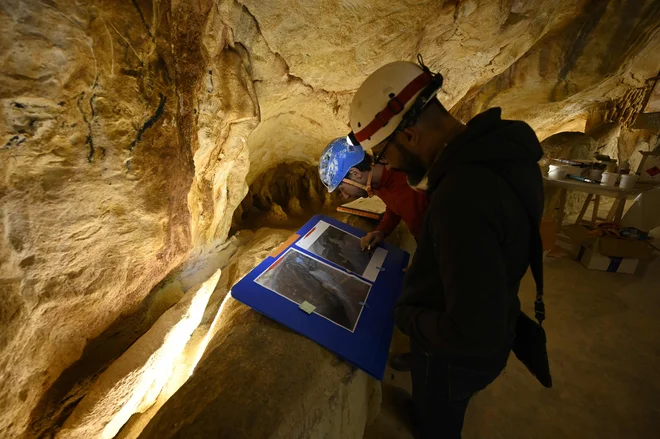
(466, 238)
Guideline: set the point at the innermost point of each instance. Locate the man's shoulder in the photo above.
(470, 181)
(473, 190)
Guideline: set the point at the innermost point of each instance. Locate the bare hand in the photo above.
(371, 240)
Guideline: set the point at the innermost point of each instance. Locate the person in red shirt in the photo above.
(347, 168)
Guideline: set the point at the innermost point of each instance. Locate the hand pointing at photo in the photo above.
(371, 240)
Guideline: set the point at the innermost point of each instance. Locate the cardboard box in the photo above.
(607, 246)
(593, 260)
(615, 255)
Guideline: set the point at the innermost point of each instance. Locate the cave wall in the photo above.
(284, 196)
(130, 132)
(605, 50)
(94, 182)
(258, 379)
(225, 110)
(308, 59)
(119, 153)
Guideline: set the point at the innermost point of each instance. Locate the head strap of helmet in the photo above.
(367, 188)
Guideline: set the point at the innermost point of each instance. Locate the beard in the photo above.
(411, 165)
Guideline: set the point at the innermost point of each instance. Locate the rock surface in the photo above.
(284, 195)
(130, 132)
(298, 389)
(197, 268)
(94, 181)
(132, 383)
(600, 53)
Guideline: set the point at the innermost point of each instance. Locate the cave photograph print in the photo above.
(342, 248)
(337, 296)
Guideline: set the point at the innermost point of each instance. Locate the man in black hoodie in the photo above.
(460, 296)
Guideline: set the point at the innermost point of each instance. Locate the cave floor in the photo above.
(604, 346)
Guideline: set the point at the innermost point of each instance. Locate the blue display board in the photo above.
(320, 284)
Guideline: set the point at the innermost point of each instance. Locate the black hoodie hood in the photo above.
(507, 147)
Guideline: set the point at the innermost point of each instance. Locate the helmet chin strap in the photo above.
(366, 188)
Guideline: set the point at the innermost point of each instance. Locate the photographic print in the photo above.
(335, 294)
(342, 248)
(337, 246)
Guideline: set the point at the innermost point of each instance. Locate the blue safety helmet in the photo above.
(338, 158)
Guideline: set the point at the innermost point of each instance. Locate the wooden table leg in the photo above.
(561, 207)
(594, 215)
(551, 201)
(584, 208)
(613, 210)
(619, 211)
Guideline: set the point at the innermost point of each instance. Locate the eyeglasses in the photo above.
(378, 158)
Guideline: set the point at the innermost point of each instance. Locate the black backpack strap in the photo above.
(536, 265)
(535, 251)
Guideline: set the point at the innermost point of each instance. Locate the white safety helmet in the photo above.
(387, 96)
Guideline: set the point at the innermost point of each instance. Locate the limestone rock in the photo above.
(571, 68)
(236, 249)
(569, 145)
(628, 145)
(295, 207)
(276, 215)
(164, 299)
(130, 132)
(255, 248)
(286, 191)
(133, 382)
(345, 41)
(181, 371)
(94, 181)
(298, 390)
(606, 136)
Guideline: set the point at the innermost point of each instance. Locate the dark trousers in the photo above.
(442, 387)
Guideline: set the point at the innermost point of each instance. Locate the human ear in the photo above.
(355, 173)
(410, 136)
